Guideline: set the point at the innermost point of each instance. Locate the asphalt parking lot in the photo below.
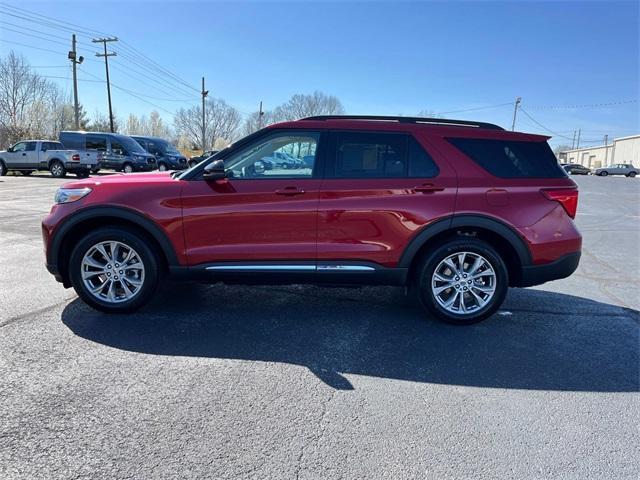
(305, 382)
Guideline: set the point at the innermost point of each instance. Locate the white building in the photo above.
(622, 150)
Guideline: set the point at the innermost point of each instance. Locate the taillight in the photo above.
(566, 197)
(75, 157)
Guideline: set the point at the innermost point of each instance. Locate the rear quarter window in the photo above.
(511, 159)
(72, 141)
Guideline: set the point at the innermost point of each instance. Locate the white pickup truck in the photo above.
(31, 155)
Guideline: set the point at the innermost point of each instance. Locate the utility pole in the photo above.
(204, 94)
(75, 60)
(606, 150)
(579, 132)
(573, 142)
(106, 66)
(260, 114)
(515, 111)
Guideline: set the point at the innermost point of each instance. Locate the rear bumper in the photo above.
(78, 167)
(560, 268)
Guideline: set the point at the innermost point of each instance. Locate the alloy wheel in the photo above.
(112, 272)
(463, 283)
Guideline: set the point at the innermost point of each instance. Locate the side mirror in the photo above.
(214, 171)
(259, 167)
(10, 149)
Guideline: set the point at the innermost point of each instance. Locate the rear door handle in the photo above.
(289, 191)
(427, 188)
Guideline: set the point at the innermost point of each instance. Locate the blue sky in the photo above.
(377, 57)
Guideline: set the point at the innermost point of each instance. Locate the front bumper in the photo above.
(560, 268)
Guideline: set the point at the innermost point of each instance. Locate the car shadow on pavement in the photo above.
(539, 340)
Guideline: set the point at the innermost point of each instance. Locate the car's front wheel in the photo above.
(113, 270)
(462, 282)
(3, 169)
(127, 168)
(162, 167)
(631, 174)
(603, 174)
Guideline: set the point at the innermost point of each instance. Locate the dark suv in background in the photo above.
(456, 210)
(113, 151)
(167, 156)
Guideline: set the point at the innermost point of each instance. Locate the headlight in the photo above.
(68, 195)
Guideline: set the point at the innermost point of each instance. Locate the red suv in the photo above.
(456, 210)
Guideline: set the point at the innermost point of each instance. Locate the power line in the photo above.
(476, 108)
(133, 94)
(589, 105)
(134, 56)
(32, 46)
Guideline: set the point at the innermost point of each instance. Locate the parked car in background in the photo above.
(31, 155)
(625, 169)
(576, 169)
(457, 210)
(167, 156)
(197, 159)
(113, 151)
(279, 159)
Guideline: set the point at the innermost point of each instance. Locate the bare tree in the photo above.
(298, 106)
(100, 123)
(308, 105)
(23, 99)
(157, 127)
(222, 124)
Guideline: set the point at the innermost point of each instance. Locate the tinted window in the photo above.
(420, 162)
(370, 155)
(511, 159)
(72, 141)
(154, 148)
(51, 146)
(31, 147)
(380, 155)
(96, 143)
(20, 147)
(117, 148)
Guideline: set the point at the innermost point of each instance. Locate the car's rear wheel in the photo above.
(113, 270)
(57, 169)
(127, 168)
(631, 174)
(84, 174)
(3, 169)
(604, 174)
(462, 282)
(162, 167)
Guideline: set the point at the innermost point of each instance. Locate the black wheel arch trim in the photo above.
(459, 221)
(123, 213)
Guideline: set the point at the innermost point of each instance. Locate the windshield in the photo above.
(169, 148)
(130, 144)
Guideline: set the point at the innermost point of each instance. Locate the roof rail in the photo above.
(399, 119)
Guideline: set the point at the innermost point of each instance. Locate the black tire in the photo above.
(127, 168)
(631, 174)
(95, 170)
(26, 173)
(3, 169)
(430, 262)
(162, 167)
(147, 256)
(57, 169)
(604, 174)
(82, 174)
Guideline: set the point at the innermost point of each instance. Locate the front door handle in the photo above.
(24, 154)
(289, 191)
(427, 188)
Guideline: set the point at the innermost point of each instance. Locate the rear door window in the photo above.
(511, 159)
(379, 155)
